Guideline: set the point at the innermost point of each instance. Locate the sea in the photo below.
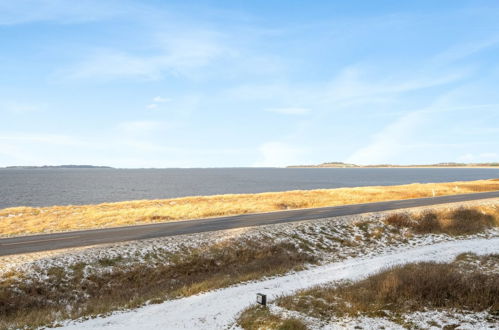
(77, 186)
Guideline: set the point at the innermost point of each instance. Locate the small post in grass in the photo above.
(261, 299)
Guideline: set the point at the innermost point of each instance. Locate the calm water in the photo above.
(44, 187)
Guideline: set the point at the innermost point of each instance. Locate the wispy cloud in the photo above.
(465, 49)
(156, 102)
(389, 143)
(159, 99)
(351, 86)
(420, 130)
(354, 83)
(179, 55)
(278, 154)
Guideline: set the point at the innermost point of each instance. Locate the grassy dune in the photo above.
(32, 220)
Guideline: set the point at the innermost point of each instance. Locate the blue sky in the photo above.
(248, 83)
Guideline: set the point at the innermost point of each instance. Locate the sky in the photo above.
(248, 83)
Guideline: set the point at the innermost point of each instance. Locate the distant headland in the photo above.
(437, 165)
(55, 166)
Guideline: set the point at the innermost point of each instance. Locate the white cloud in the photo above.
(290, 111)
(159, 99)
(278, 154)
(156, 100)
(389, 143)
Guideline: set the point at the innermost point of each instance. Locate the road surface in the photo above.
(45, 242)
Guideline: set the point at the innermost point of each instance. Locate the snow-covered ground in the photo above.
(218, 309)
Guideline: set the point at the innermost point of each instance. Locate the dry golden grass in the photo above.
(411, 287)
(32, 220)
(259, 317)
(461, 221)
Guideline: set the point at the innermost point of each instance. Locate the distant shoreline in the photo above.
(439, 165)
(325, 165)
(415, 166)
(53, 166)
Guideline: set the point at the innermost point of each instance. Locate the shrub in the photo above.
(458, 222)
(469, 221)
(413, 287)
(399, 220)
(428, 223)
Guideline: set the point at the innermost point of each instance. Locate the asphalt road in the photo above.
(37, 243)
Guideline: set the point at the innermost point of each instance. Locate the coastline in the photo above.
(394, 166)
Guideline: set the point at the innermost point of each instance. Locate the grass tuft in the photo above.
(258, 317)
